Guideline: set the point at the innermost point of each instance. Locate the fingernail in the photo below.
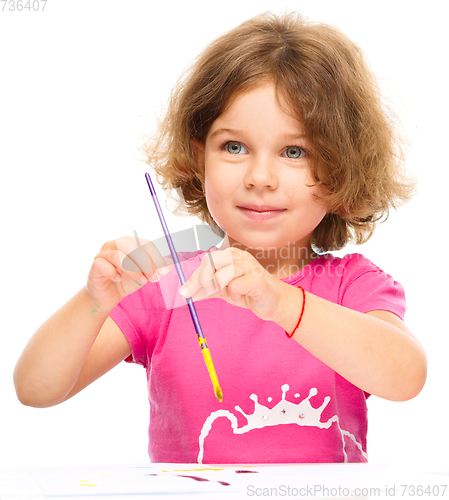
(184, 291)
(163, 270)
(143, 280)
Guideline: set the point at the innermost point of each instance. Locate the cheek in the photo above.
(218, 188)
(318, 213)
(213, 207)
(214, 194)
(310, 210)
(318, 208)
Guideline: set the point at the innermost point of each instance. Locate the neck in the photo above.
(281, 262)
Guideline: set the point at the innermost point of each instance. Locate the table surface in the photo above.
(188, 481)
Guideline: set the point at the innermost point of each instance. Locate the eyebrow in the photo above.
(231, 131)
(222, 131)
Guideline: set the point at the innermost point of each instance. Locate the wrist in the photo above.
(94, 308)
(294, 306)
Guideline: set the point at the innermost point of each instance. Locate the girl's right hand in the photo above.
(121, 267)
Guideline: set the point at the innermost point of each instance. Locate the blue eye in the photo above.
(294, 152)
(235, 148)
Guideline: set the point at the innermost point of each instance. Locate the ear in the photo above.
(198, 149)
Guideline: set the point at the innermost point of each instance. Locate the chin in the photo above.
(263, 243)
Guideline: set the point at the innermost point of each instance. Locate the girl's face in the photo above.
(257, 174)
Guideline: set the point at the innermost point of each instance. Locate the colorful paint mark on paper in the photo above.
(86, 482)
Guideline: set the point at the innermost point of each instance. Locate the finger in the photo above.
(226, 274)
(214, 269)
(143, 255)
(134, 256)
(206, 276)
(245, 286)
(163, 265)
(221, 258)
(237, 261)
(133, 273)
(230, 293)
(158, 262)
(102, 268)
(201, 280)
(215, 288)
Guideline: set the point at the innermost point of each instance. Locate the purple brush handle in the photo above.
(178, 267)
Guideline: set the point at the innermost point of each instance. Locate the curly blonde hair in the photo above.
(323, 77)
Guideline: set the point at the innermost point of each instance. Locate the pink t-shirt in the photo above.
(280, 403)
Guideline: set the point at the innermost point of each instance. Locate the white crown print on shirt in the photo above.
(284, 412)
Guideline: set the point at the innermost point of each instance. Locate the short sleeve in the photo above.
(138, 315)
(367, 288)
(142, 315)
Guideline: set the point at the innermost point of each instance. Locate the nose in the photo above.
(261, 173)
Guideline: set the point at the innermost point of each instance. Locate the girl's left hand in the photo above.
(236, 276)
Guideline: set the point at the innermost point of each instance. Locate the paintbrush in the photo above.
(196, 321)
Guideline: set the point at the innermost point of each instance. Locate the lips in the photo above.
(261, 212)
(261, 208)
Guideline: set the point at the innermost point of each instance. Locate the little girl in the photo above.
(278, 140)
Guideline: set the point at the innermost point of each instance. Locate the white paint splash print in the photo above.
(285, 412)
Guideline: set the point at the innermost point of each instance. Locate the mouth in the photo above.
(261, 212)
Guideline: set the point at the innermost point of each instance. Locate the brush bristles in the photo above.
(218, 393)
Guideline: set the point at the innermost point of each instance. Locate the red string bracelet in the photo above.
(290, 335)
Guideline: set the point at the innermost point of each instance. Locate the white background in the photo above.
(80, 83)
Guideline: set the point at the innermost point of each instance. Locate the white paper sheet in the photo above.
(188, 481)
